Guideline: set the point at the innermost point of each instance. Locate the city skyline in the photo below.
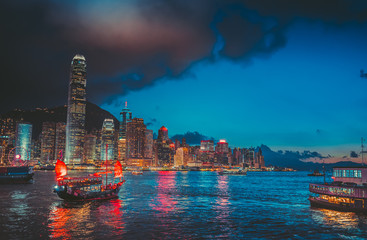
(287, 76)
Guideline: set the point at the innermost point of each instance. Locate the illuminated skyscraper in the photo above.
(126, 117)
(163, 134)
(107, 137)
(136, 137)
(90, 141)
(23, 140)
(48, 142)
(148, 151)
(60, 140)
(75, 126)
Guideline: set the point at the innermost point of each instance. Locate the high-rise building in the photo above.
(181, 157)
(48, 142)
(90, 148)
(125, 117)
(23, 140)
(136, 135)
(108, 139)
(207, 146)
(75, 126)
(60, 137)
(221, 152)
(165, 151)
(148, 151)
(163, 134)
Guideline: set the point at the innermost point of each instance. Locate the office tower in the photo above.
(75, 126)
(90, 142)
(207, 146)
(163, 134)
(60, 137)
(48, 142)
(136, 136)
(125, 117)
(107, 137)
(23, 140)
(181, 157)
(221, 152)
(165, 151)
(148, 151)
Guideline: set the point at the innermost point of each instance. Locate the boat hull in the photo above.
(316, 203)
(73, 195)
(23, 174)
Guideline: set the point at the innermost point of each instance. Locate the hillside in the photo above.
(94, 117)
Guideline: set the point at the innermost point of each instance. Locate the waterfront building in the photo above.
(90, 142)
(107, 137)
(148, 151)
(165, 151)
(23, 140)
(48, 136)
(36, 149)
(75, 126)
(60, 138)
(182, 157)
(221, 152)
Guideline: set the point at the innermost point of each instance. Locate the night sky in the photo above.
(282, 73)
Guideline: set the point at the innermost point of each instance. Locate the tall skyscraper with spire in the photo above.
(126, 117)
(75, 126)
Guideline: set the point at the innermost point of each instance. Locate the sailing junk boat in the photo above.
(78, 189)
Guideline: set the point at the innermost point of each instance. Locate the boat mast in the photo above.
(106, 162)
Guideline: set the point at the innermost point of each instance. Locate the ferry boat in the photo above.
(348, 191)
(137, 172)
(233, 172)
(79, 189)
(316, 173)
(16, 174)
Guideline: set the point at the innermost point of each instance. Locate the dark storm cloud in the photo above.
(192, 138)
(132, 44)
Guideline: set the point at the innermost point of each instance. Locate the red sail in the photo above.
(118, 169)
(60, 169)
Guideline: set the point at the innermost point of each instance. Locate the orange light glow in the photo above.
(118, 169)
(60, 169)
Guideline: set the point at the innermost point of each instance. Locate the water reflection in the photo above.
(165, 202)
(222, 206)
(68, 220)
(111, 215)
(341, 220)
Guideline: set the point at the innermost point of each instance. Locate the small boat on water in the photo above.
(316, 173)
(137, 172)
(92, 187)
(16, 174)
(17, 171)
(348, 191)
(233, 172)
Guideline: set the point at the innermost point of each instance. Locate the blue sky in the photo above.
(307, 95)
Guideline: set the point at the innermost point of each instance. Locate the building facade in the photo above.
(23, 140)
(75, 126)
(107, 139)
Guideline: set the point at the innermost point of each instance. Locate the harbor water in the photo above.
(178, 205)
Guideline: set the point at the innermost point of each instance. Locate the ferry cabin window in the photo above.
(347, 173)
